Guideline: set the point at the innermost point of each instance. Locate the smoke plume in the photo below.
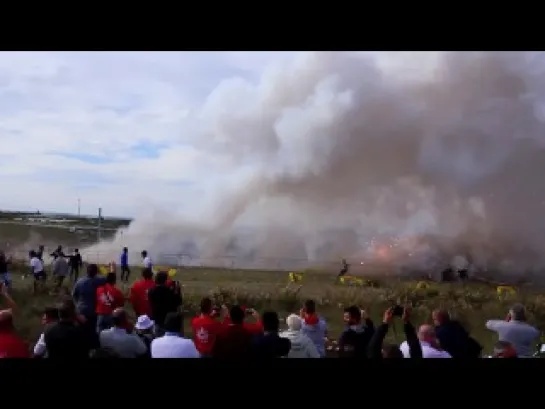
(429, 156)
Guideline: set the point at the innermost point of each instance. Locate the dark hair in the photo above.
(76, 250)
(237, 314)
(67, 310)
(391, 351)
(310, 306)
(206, 305)
(271, 322)
(92, 270)
(354, 313)
(119, 317)
(144, 253)
(103, 353)
(32, 253)
(111, 278)
(161, 278)
(147, 273)
(51, 313)
(125, 249)
(41, 246)
(173, 322)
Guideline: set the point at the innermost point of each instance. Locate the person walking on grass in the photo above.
(76, 263)
(37, 271)
(124, 263)
(61, 269)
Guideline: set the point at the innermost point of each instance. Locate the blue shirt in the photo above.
(124, 259)
(85, 294)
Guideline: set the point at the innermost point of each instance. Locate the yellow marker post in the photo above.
(295, 277)
(504, 290)
(103, 270)
(422, 285)
(172, 272)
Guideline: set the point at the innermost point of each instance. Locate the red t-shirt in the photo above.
(205, 330)
(108, 299)
(253, 327)
(12, 346)
(139, 296)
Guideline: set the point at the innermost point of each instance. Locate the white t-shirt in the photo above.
(173, 346)
(147, 262)
(427, 351)
(36, 265)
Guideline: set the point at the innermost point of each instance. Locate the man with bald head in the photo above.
(428, 342)
(117, 340)
(516, 331)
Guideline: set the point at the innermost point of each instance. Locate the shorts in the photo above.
(40, 276)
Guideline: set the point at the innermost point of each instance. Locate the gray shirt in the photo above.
(124, 344)
(519, 334)
(60, 267)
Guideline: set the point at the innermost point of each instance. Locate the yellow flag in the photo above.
(103, 270)
(172, 272)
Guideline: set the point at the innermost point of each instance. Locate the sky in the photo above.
(114, 129)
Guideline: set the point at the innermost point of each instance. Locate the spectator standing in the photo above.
(255, 327)
(76, 263)
(146, 260)
(117, 339)
(234, 341)
(85, 297)
(354, 340)
(377, 348)
(37, 271)
(205, 328)
(138, 295)
(145, 329)
(66, 339)
(124, 263)
(516, 331)
(314, 326)
(301, 345)
(162, 300)
(11, 344)
(51, 316)
(428, 342)
(61, 269)
(173, 344)
(4, 270)
(270, 344)
(40, 253)
(453, 337)
(109, 298)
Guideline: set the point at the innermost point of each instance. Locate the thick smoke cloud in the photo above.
(348, 154)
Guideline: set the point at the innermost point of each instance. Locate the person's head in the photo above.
(144, 253)
(161, 278)
(391, 351)
(426, 333)
(310, 307)
(119, 318)
(92, 270)
(174, 322)
(517, 313)
(504, 349)
(352, 315)
(237, 315)
(76, 251)
(440, 317)
(294, 323)
(67, 311)
(147, 274)
(32, 254)
(206, 306)
(6, 320)
(51, 314)
(41, 247)
(271, 322)
(144, 325)
(125, 249)
(111, 278)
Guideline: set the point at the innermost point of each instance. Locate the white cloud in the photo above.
(133, 113)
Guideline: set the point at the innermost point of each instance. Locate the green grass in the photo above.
(472, 304)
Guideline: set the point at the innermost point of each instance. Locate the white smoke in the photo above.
(347, 148)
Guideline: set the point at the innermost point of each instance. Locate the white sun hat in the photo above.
(144, 323)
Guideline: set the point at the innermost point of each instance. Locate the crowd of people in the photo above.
(94, 322)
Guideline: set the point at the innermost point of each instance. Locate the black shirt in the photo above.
(66, 340)
(3, 264)
(163, 300)
(75, 260)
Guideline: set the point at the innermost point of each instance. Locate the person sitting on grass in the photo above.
(119, 341)
(50, 316)
(301, 345)
(11, 344)
(377, 348)
(354, 340)
(205, 328)
(173, 344)
(270, 344)
(516, 331)
(234, 341)
(428, 342)
(314, 326)
(109, 297)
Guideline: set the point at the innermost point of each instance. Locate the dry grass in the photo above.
(472, 304)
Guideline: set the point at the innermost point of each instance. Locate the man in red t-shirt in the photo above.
(109, 297)
(253, 327)
(205, 328)
(138, 296)
(11, 344)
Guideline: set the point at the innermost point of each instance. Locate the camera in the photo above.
(397, 310)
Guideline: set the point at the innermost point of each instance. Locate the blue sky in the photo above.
(115, 129)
